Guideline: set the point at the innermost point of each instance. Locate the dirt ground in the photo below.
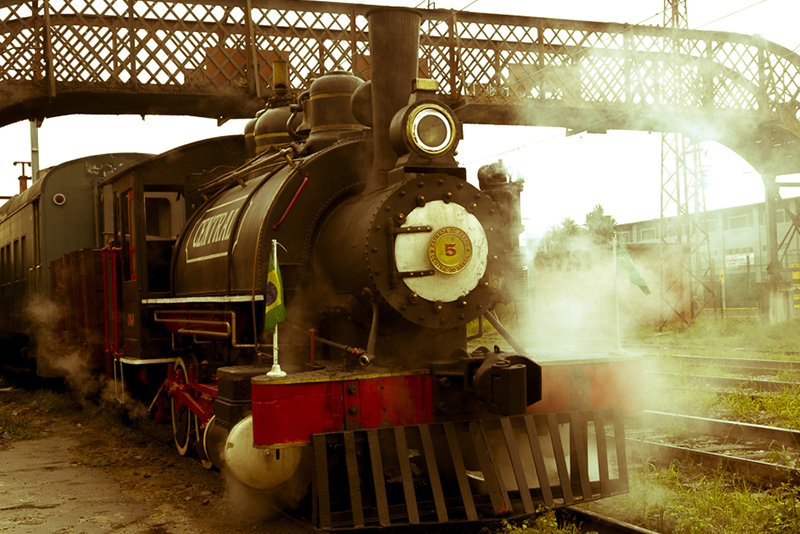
(83, 472)
(59, 484)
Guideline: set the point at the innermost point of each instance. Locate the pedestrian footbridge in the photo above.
(213, 58)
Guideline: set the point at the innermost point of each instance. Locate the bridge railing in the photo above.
(223, 47)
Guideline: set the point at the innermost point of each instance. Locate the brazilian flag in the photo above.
(624, 263)
(275, 311)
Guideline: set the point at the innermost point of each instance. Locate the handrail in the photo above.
(213, 58)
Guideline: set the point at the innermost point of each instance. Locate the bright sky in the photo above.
(565, 176)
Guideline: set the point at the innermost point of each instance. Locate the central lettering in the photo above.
(214, 229)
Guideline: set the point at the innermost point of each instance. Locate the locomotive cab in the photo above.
(144, 209)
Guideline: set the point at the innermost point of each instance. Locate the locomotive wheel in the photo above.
(200, 442)
(181, 417)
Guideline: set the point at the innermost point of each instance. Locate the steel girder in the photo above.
(213, 58)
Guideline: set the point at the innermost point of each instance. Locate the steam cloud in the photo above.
(260, 505)
(56, 356)
(574, 298)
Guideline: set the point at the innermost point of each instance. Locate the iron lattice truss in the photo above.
(688, 288)
(213, 58)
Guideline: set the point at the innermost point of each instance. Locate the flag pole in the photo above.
(618, 350)
(276, 371)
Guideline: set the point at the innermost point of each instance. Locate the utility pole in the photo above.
(34, 124)
(687, 285)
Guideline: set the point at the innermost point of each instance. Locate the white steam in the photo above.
(574, 299)
(75, 362)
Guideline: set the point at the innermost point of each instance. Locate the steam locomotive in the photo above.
(386, 254)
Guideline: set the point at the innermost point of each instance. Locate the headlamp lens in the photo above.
(432, 131)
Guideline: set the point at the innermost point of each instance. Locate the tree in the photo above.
(600, 226)
(569, 245)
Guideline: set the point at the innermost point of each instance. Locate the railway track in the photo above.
(644, 347)
(750, 451)
(756, 367)
(728, 382)
(761, 454)
(587, 521)
(753, 373)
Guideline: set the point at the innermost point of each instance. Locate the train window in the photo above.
(158, 217)
(129, 233)
(132, 233)
(15, 261)
(22, 268)
(7, 264)
(107, 209)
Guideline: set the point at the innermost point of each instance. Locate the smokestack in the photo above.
(23, 180)
(394, 46)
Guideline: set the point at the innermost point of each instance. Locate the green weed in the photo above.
(50, 402)
(725, 335)
(544, 522)
(683, 499)
(16, 410)
(14, 424)
(779, 409)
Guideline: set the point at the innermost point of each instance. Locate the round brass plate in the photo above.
(449, 250)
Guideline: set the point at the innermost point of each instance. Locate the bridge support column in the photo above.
(774, 295)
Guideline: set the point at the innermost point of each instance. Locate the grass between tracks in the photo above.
(544, 523)
(710, 336)
(780, 409)
(685, 499)
(681, 497)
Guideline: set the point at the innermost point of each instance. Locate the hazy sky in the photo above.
(565, 176)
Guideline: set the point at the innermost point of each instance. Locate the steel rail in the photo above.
(730, 429)
(726, 382)
(739, 363)
(755, 471)
(588, 521)
(736, 436)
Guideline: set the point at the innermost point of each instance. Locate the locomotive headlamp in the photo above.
(428, 129)
(431, 130)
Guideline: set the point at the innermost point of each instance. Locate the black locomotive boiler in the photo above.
(382, 416)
